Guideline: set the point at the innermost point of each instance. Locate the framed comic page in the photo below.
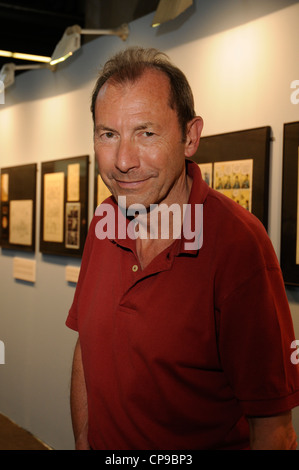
(18, 207)
(64, 206)
(237, 165)
(289, 255)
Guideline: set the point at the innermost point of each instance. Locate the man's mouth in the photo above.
(131, 184)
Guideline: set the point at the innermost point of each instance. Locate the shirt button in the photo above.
(134, 268)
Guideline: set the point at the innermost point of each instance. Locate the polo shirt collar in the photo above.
(198, 195)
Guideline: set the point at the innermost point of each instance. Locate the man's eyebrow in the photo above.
(102, 127)
(146, 125)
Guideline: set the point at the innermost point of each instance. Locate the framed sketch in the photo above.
(237, 165)
(64, 206)
(289, 255)
(18, 207)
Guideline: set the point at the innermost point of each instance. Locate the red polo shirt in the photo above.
(176, 355)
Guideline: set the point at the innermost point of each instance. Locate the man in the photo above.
(179, 347)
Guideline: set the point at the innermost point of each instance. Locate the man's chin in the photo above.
(134, 202)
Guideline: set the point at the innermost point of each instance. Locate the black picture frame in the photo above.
(78, 218)
(21, 186)
(289, 208)
(240, 145)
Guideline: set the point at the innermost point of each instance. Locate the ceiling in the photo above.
(35, 26)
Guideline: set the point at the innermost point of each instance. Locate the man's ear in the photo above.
(194, 130)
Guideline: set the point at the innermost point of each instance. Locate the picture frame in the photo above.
(289, 253)
(18, 207)
(64, 206)
(252, 145)
(101, 192)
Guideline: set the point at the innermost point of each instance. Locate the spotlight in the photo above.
(170, 9)
(7, 73)
(71, 40)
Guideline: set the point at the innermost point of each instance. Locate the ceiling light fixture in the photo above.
(69, 43)
(22, 56)
(7, 73)
(169, 9)
(71, 40)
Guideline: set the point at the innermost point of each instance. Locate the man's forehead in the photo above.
(149, 78)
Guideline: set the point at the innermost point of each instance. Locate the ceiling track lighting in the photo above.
(71, 40)
(69, 43)
(7, 73)
(169, 9)
(23, 56)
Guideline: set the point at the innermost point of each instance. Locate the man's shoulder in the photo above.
(236, 233)
(229, 213)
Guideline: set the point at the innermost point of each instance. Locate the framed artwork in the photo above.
(64, 206)
(289, 255)
(237, 164)
(18, 207)
(101, 192)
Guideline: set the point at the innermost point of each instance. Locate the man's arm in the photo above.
(272, 433)
(79, 408)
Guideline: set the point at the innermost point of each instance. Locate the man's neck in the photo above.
(161, 225)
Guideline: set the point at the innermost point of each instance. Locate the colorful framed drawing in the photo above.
(237, 164)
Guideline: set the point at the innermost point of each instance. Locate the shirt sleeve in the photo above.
(255, 336)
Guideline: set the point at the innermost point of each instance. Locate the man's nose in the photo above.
(127, 157)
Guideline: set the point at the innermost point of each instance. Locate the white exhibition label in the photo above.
(72, 273)
(24, 269)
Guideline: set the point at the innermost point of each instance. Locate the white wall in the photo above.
(240, 61)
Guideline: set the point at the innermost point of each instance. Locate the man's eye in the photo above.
(148, 134)
(106, 135)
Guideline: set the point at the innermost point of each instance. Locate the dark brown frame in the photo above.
(240, 145)
(22, 186)
(55, 166)
(289, 210)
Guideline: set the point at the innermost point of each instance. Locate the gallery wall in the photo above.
(240, 62)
